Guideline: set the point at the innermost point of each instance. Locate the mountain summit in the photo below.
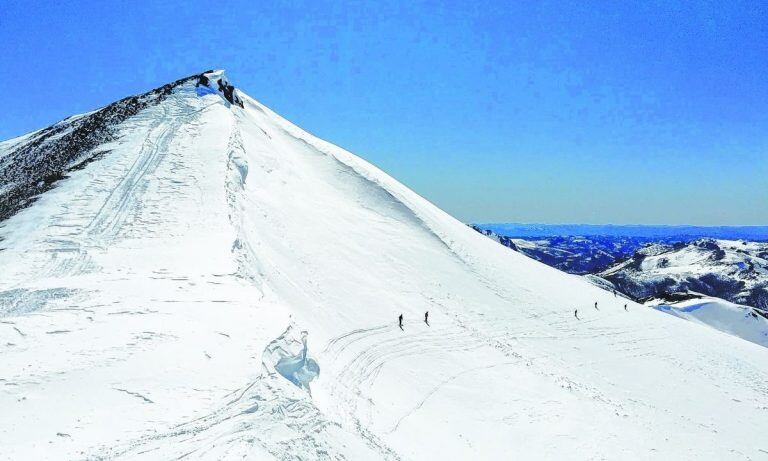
(187, 274)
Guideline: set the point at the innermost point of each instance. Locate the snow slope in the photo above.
(741, 321)
(221, 284)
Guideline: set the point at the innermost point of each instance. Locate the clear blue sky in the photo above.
(589, 112)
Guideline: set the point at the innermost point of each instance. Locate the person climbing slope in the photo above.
(625, 307)
(596, 305)
(400, 321)
(576, 314)
(426, 318)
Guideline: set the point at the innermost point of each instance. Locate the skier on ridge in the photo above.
(625, 307)
(426, 318)
(400, 321)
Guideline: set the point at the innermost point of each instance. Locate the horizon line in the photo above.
(518, 223)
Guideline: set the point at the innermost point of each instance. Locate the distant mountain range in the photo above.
(651, 232)
(652, 261)
(733, 270)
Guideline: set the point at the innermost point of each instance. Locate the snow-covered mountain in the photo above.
(736, 271)
(194, 279)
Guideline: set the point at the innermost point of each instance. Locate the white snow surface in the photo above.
(741, 321)
(146, 298)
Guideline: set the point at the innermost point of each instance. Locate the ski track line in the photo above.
(361, 372)
(154, 149)
(71, 257)
(439, 386)
(365, 366)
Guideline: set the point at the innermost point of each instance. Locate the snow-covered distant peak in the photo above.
(729, 269)
(655, 249)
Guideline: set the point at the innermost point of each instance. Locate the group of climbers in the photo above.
(224, 87)
(576, 311)
(426, 316)
(400, 320)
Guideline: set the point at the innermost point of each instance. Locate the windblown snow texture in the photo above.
(31, 167)
(153, 304)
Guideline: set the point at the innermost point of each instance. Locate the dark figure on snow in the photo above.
(614, 293)
(596, 305)
(426, 318)
(400, 321)
(625, 307)
(576, 314)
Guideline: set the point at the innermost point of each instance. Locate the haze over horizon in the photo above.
(608, 224)
(637, 114)
(536, 230)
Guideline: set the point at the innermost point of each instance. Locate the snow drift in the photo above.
(141, 291)
(742, 321)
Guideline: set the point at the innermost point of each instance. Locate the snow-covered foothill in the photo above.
(742, 321)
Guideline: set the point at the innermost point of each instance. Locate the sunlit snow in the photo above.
(147, 299)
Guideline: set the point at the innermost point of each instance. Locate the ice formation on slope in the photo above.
(146, 286)
(288, 355)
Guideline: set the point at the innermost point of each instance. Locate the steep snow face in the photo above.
(151, 294)
(734, 270)
(741, 321)
(31, 164)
